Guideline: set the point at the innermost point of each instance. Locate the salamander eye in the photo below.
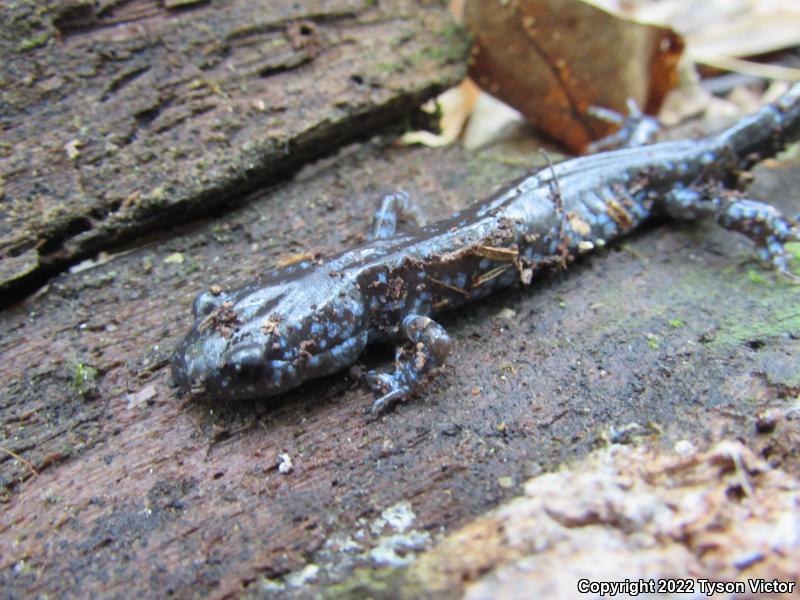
(245, 361)
(206, 302)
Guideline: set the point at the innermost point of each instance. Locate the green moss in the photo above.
(374, 583)
(449, 46)
(35, 41)
(739, 328)
(755, 277)
(793, 248)
(762, 309)
(455, 43)
(191, 266)
(392, 67)
(84, 381)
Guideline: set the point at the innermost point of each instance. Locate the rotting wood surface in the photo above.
(122, 117)
(139, 493)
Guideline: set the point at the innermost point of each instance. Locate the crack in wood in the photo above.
(141, 126)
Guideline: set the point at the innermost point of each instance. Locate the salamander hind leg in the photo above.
(759, 221)
(428, 348)
(398, 204)
(767, 227)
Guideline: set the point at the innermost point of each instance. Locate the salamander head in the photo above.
(265, 339)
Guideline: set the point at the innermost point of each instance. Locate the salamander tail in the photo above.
(766, 132)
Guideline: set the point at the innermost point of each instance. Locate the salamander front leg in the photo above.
(636, 128)
(762, 223)
(384, 223)
(428, 348)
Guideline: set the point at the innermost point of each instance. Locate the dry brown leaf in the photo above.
(553, 59)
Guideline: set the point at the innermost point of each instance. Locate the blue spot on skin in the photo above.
(639, 211)
(393, 305)
(333, 329)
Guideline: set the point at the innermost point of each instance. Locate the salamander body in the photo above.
(316, 317)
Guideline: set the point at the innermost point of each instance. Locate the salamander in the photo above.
(316, 317)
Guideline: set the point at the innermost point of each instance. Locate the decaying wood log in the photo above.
(624, 514)
(122, 116)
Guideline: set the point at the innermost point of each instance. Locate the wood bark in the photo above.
(120, 117)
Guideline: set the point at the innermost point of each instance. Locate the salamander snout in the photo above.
(206, 367)
(195, 363)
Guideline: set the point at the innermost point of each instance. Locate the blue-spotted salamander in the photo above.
(316, 317)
